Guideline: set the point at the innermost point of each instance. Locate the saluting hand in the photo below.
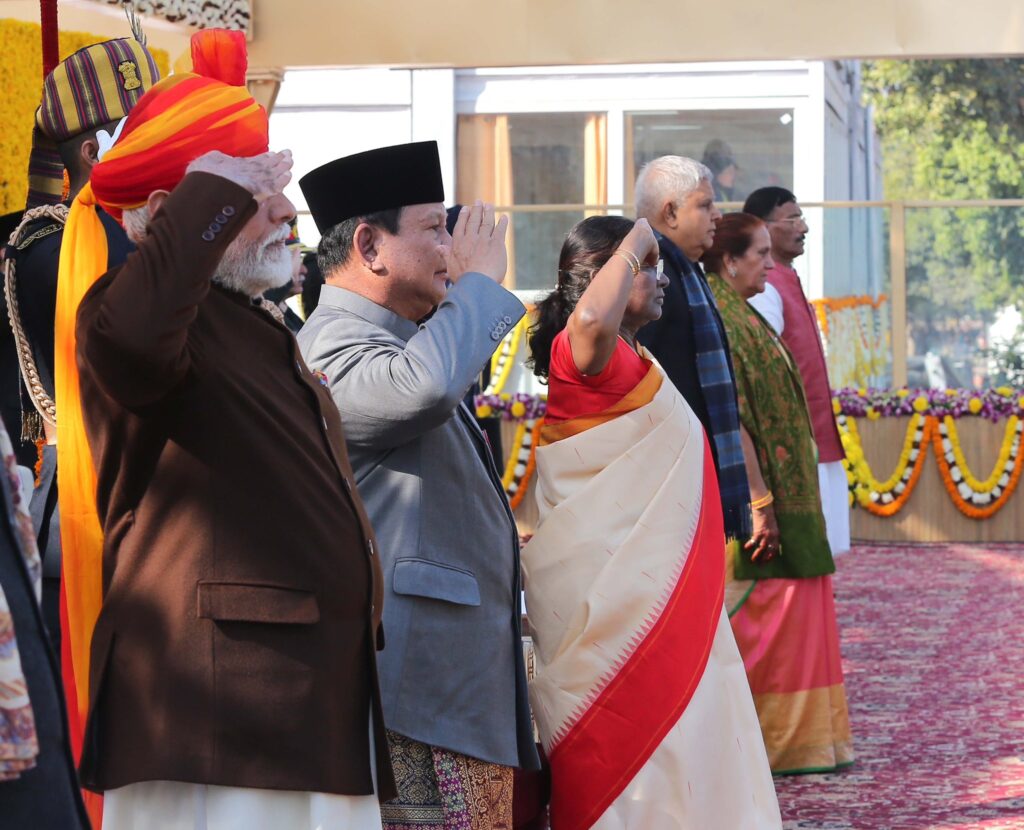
(641, 242)
(478, 244)
(264, 176)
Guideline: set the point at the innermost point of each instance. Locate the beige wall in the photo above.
(467, 33)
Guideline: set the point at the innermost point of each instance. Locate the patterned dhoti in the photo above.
(440, 788)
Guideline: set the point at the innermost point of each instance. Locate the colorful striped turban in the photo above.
(95, 86)
(180, 119)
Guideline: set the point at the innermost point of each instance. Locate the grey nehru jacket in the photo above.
(452, 671)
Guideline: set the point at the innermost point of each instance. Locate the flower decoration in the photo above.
(225, 14)
(511, 407)
(933, 414)
(856, 331)
(992, 404)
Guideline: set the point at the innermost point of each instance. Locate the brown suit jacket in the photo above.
(242, 591)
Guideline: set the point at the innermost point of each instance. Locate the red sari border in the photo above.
(605, 749)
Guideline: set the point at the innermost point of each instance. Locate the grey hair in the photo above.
(668, 179)
(135, 221)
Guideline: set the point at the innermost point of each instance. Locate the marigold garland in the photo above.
(979, 499)
(518, 493)
(504, 358)
(932, 424)
(513, 457)
(885, 498)
(856, 331)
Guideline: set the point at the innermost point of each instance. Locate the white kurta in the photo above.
(178, 805)
(175, 805)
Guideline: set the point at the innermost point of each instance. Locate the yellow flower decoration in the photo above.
(484, 411)
(873, 414)
(1005, 391)
(837, 408)
(951, 393)
(1020, 401)
(22, 59)
(862, 391)
(920, 403)
(902, 393)
(518, 409)
(974, 406)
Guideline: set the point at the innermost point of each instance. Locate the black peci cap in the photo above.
(381, 179)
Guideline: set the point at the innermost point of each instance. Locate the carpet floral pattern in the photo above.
(934, 661)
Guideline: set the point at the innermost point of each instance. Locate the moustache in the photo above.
(280, 235)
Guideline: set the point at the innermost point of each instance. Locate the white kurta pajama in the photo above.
(179, 805)
(176, 805)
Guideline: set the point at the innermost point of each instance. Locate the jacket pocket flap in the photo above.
(423, 578)
(253, 602)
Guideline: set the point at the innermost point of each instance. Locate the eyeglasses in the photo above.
(657, 270)
(789, 220)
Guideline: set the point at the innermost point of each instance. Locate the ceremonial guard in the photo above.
(85, 99)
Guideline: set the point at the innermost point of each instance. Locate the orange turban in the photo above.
(178, 120)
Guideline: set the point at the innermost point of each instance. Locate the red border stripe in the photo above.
(602, 753)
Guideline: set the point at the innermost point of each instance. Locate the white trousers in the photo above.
(835, 504)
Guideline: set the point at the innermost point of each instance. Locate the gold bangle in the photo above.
(764, 501)
(631, 258)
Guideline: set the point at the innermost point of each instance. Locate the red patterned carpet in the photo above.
(933, 647)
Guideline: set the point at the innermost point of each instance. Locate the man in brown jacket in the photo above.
(233, 677)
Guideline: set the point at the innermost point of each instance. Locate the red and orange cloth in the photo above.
(178, 120)
(640, 696)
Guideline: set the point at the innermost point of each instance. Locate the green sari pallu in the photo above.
(773, 410)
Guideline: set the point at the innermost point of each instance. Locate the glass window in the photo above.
(534, 159)
(745, 149)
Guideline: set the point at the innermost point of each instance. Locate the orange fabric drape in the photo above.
(178, 120)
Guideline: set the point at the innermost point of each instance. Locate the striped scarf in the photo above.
(718, 384)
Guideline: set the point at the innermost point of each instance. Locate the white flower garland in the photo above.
(203, 14)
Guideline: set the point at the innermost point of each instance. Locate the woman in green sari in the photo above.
(780, 597)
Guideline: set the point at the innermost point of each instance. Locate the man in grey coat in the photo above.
(451, 673)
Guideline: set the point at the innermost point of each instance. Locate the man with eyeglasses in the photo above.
(784, 304)
(676, 195)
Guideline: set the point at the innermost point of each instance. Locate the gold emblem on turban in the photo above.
(129, 75)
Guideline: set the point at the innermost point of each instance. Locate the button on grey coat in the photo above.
(452, 671)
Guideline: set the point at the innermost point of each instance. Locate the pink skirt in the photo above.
(787, 634)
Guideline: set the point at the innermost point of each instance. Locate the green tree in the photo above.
(954, 129)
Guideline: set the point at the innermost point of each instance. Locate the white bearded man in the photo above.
(230, 678)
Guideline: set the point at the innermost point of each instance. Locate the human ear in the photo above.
(669, 214)
(89, 153)
(365, 245)
(156, 201)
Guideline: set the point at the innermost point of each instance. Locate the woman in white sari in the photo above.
(641, 696)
